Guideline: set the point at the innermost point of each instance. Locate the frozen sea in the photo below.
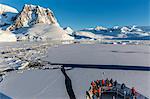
(50, 84)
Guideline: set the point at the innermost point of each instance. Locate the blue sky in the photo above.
(90, 13)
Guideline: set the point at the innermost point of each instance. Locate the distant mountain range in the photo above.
(121, 33)
(37, 23)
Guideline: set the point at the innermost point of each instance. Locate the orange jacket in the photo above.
(99, 90)
(94, 91)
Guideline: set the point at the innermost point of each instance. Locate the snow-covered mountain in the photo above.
(7, 15)
(31, 15)
(125, 32)
(35, 23)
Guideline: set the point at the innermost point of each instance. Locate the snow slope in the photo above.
(69, 30)
(6, 36)
(43, 32)
(86, 35)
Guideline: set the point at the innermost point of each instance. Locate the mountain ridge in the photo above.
(121, 32)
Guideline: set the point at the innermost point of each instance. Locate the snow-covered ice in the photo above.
(132, 55)
(50, 84)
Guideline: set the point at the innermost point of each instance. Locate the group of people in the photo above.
(99, 86)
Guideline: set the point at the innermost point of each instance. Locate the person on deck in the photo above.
(95, 93)
(99, 92)
(107, 82)
(98, 83)
(111, 81)
(133, 92)
(115, 83)
(93, 84)
(123, 86)
(103, 82)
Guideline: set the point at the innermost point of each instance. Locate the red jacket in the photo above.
(103, 81)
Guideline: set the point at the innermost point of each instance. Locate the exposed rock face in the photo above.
(31, 15)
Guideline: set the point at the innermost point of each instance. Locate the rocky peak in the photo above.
(32, 14)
